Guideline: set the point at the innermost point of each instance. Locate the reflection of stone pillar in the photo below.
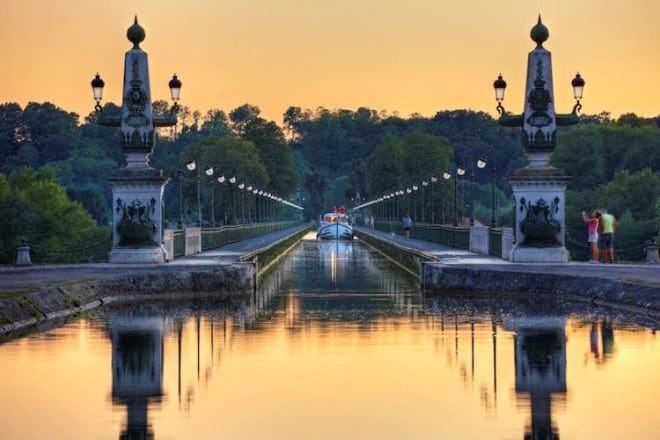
(540, 349)
(137, 371)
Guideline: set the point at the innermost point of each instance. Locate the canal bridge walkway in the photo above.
(629, 286)
(648, 274)
(26, 278)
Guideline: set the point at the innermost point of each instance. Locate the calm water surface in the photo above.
(338, 344)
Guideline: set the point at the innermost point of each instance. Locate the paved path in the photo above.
(647, 274)
(27, 277)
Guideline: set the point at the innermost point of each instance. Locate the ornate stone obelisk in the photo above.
(539, 189)
(137, 189)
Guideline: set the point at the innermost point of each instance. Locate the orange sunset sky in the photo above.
(402, 56)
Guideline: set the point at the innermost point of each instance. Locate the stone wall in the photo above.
(236, 280)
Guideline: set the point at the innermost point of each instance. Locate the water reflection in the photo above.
(327, 281)
(540, 366)
(137, 371)
(336, 344)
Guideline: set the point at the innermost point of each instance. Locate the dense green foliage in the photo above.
(613, 166)
(36, 209)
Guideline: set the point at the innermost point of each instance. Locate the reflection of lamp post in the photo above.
(192, 166)
(209, 172)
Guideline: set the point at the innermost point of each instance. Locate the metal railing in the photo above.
(495, 242)
(215, 237)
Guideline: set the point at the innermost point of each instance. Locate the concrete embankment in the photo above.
(608, 291)
(19, 309)
(633, 287)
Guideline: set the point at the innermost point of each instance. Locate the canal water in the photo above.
(338, 343)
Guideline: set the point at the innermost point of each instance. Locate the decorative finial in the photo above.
(135, 34)
(539, 33)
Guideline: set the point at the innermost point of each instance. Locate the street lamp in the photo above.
(460, 171)
(248, 188)
(482, 163)
(232, 180)
(97, 89)
(445, 176)
(191, 165)
(221, 180)
(241, 186)
(415, 188)
(175, 92)
(433, 180)
(255, 192)
(424, 184)
(180, 176)
(209, 172)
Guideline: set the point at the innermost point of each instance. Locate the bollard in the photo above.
(652, 252)
(23, 255)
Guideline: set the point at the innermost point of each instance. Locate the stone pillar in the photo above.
(540, 216)
(137, 189)
(539, 189)
(137, 194)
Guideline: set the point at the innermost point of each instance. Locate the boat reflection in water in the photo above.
(540, 367)
(137, 371)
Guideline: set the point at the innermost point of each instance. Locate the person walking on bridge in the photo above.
(407, 224)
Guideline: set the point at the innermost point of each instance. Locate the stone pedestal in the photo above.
(137, 221)
(652, 256)
(23, 256)
(540, 194)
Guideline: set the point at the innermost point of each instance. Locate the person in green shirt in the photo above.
(607, 225)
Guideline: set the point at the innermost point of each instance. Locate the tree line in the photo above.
(333, 157)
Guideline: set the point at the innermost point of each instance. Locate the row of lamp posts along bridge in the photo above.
(260, 205)
(397, 198)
